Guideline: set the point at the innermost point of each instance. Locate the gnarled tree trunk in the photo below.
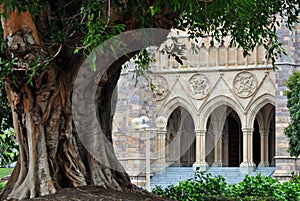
(52, 154)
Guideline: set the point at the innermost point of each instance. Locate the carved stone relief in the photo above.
(244, 84)
(198, 86)
(161, 89)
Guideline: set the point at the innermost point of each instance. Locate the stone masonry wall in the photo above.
(286, 64)
(130, 144)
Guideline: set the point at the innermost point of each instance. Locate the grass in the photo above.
(2, 185)
(5, 172)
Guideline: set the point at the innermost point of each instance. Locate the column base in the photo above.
(247, 167)
(217, 164)
(263, 164)
(200, 166)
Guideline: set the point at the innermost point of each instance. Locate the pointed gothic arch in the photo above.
(168, 107)
(214, 103)
(253, 109)
(224, 137)
(180, 138)
(264, 136)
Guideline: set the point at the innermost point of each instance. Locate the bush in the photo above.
(295, 178)
(226, 198)
(288, 191)
(207, 188)
(219, 198)
(172, 192)
(194, 189)
(258, 186)
(8, 145)
(292, 130)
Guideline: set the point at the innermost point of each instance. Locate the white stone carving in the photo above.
(244, 84)
(161, 88)
(198, 86)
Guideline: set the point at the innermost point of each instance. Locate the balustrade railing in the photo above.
(207, 54)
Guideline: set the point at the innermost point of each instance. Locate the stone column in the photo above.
(217, 148)
(161, 152)
(200, 151)
(267, 149)
(158, 152)
(264, 148)
(247, 165)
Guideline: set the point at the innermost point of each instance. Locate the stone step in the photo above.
(179, 169)
(172, 175)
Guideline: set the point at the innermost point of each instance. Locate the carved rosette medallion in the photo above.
(244, 84)
(161, 89)
(198, 86)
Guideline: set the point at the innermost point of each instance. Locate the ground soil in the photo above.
(91, 193)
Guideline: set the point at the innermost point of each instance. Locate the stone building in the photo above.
(223, 110)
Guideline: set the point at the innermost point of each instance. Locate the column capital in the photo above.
(264, 132)
(163, 130)
(247, 130)
(217, 132)
(200, 132)
(263, 135)
(161, 133)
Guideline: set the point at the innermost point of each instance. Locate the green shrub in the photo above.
(171, 191)
(219, 198)
(295, 178)
(226, 198)
(8, 145)
(258, 186)
(292, 130)
(194, 189)
(288, 191)
(252, 188)
(209, 185)
(251, 198)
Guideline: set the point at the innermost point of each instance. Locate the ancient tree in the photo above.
(43, 47)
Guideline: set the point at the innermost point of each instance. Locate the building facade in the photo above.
(223, 109)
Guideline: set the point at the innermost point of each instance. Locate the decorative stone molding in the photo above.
(161, 87)
(244, 84)
(198, 86)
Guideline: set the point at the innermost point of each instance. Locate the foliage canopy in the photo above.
(87, 23)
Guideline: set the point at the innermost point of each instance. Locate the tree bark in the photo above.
(52, 155)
